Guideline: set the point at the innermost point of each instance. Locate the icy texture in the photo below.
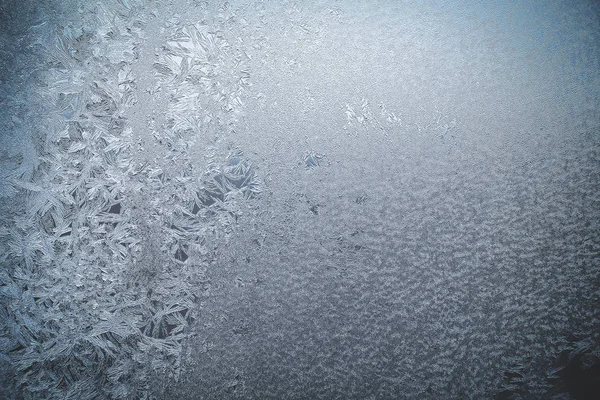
(298, 200)
(88, 309)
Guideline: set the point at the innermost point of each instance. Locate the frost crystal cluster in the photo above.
(104, 270)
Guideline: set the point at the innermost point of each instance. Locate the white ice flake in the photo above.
(362, 116)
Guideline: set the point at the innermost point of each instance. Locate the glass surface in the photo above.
(299, 200)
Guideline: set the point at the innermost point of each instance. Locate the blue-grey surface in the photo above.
(299, 200)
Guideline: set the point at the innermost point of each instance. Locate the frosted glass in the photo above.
(299, 200)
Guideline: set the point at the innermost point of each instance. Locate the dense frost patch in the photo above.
(103, 276)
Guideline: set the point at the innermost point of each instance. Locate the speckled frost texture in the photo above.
(299, 200)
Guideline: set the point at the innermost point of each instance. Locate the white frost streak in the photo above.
(363, 116)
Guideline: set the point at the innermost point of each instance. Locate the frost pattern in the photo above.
(98, 295)
(388, 267)
(312, 159)
(206, 74)
(361, 115)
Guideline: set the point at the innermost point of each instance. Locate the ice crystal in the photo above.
(312, 159)
(77, 324)
(363, 116)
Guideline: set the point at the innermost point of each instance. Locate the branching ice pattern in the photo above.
(206, 75)
(99, 286)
